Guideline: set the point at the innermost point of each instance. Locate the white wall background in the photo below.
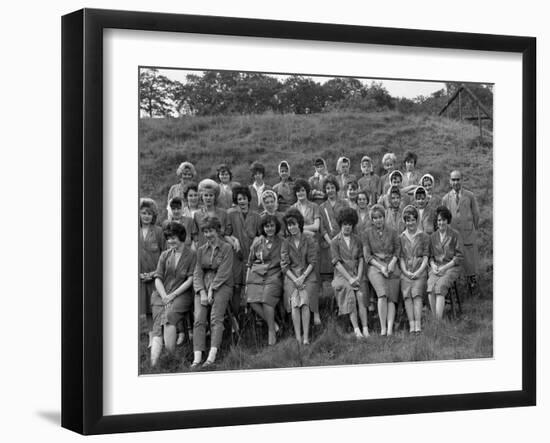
(30, 178)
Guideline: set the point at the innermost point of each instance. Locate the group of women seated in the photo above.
(225, 246)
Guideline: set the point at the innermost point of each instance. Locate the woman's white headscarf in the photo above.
(269, 193)
(283, 163)
(430, 176)
(339, 163)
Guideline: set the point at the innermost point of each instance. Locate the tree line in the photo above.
(232, 92)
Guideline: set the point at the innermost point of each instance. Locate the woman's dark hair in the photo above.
(410, 156)
(176, 202)
(348, 216)
(212, 222)
(352, 182)
(294, 214)
(395, 190)
(410, 211)
(444, 212)
(268, 218)
(420, 191)
(365, 194)
(243, 190)
(299, 184)
(332, 180)
(175, 229)
(224, 167)
(190, 187)
(257, 167)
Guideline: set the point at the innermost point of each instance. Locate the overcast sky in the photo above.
(396, 88)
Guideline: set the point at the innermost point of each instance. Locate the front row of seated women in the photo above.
(282, 270)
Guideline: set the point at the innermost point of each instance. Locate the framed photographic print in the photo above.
(261, 218)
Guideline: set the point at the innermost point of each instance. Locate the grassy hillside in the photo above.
(441, 145)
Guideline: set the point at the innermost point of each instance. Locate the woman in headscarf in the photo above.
(283, 189)
(312, 224)
(186, 172)
(316, 181)
(329, 211)
(415, 246)
(342, 168)
(264, 284)
(258, 185)
(242, 226)
(369, 181)
(446, 256)
(394, 210)
(382, 249)
(173, 295)
(396, 180)
(151, 244)
(208, 194)
(347, 258)
(213, 284)
(298, 261)
(270, 205)
(225, 178)
(427, 181)
(425, 213)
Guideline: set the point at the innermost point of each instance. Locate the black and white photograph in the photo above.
(289, 220)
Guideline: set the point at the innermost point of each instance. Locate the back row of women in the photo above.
(225, 245)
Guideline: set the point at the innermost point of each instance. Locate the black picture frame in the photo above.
(82, 229)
